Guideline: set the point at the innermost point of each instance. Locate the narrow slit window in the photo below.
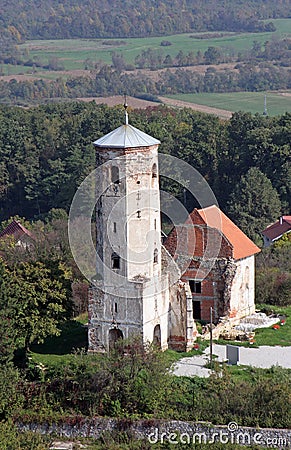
(156, 255)
(155, 224)
(115, 307)
(115, 174)
(115, 260)
(138, 213)
(154, 171)
(114, 227)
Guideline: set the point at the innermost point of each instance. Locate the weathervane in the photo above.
(125, 105)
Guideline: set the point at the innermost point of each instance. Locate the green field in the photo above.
(277, 102)
(73, 52)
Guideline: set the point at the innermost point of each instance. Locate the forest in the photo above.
(47, 151)
(51, 19)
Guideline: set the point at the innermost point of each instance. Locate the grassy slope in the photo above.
(73, 52)
(241, 101)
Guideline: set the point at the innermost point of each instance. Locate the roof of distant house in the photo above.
(15, 229)
(277, 229)
(213, 219)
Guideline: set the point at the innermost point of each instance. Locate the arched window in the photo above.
(115, 174)
(157, 336)
(156, 253)
(115, 261)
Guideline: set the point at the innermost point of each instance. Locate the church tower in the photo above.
(128, 295)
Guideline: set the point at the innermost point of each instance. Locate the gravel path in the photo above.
(264, 357)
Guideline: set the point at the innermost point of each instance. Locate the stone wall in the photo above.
(174, 432)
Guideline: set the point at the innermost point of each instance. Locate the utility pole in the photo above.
(211, 340)
(265, 113)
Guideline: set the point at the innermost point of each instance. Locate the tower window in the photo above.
(156, 253)
(115, 174)
(138, 213)
(115, 260)
(114, 227)
(155, 224)
(115, 308)
(195, 286)
(154, 174)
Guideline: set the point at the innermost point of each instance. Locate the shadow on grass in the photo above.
(73, 336)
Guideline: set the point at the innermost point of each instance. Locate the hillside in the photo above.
(46, 19)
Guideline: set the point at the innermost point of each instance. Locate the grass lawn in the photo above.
(11, 69)
(241, 101)
(269, 336)
(60, 349)
(248, 373)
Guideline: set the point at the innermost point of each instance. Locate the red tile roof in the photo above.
(15, 229)
(242, 245)
(211, 228)
(277, 229)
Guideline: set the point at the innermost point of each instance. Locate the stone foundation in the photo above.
(172, 431)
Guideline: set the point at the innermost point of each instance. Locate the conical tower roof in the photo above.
(126, 136)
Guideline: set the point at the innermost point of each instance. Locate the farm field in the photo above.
(277, 102)
(73, 52)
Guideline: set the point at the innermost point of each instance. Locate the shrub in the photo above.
(12, 439)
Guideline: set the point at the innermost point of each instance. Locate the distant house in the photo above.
(21, 236)
(276, 230)
(222, 271)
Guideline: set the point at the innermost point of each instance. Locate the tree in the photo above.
(273, 273)
(7, 345)
(33, 303)
(212, 55)
(254, 203)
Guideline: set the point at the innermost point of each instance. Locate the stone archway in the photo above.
(157, 336)
(114, 335)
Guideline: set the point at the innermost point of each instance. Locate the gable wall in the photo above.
(242, 302)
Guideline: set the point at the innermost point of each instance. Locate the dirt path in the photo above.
(222, 113)
(132, 102)
(135, 103)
